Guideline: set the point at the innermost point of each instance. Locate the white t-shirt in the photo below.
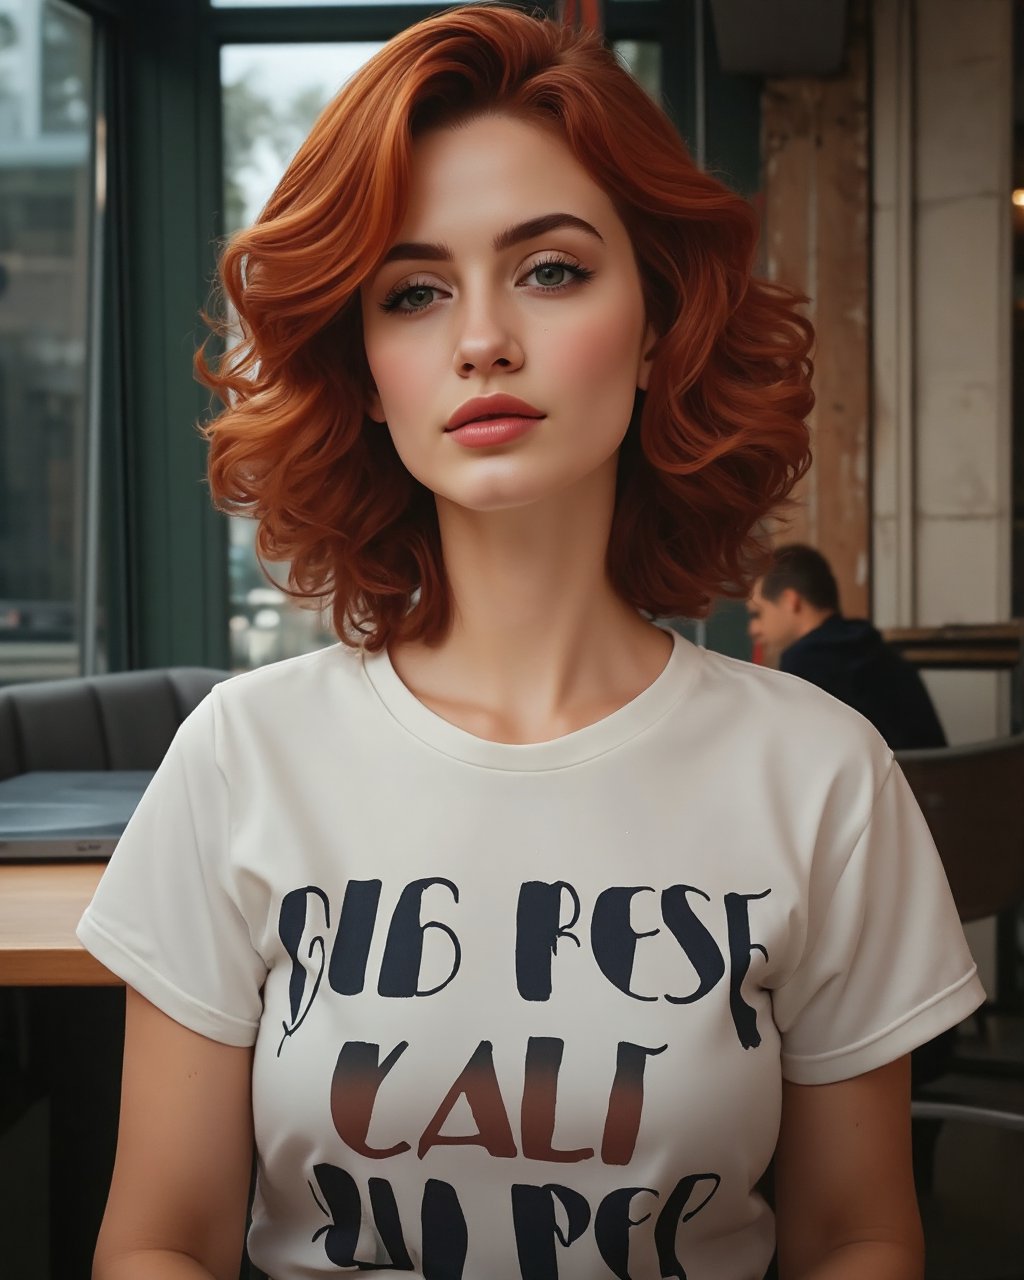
(525, 1010)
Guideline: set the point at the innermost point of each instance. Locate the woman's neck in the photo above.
(540, 643)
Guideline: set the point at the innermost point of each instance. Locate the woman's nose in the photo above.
(486, 342)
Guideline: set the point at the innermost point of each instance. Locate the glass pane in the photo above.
(46, 204)
(271, 96)
(643, 59)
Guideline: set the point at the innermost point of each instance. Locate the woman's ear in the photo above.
(644, 372)
(374, 408)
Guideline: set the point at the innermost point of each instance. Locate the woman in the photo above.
(519, 932)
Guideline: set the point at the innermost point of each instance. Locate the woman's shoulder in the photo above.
(776, 711)
(293, 676)
(285, 696)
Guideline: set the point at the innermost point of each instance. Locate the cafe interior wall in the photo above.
(942, 323)
(886, 196)
(942, 340)
(816, 199)
(886, 200)
(886, 192)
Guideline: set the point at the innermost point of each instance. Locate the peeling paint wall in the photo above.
(816, 239)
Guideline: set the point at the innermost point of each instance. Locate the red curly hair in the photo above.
(715, 444)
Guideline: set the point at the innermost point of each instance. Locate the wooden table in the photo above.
(40, 905)
(995, 646)
(76, 1014)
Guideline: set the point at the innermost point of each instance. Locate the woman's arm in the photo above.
(178, 1197)
(844, 1182)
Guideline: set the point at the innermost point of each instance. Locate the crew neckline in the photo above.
(598, 738)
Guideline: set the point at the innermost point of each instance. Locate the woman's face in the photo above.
(512, 276)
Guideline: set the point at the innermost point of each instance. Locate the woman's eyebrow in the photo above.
(424, 251)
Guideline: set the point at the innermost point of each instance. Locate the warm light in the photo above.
(1018, 196)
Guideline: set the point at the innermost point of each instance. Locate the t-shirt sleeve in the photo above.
(165, 917)
(885, 966)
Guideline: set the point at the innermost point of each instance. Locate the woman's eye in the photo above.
(420, 296)
(552, 276)
(550, 273)
(415, 298)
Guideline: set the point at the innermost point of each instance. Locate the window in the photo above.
(48, 221)
(271, 95)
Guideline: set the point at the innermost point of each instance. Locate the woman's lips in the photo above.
(485, 432)
(497, 405)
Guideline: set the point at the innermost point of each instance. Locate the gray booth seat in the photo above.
(120, 721)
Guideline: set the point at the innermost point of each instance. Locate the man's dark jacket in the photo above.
(849, 659)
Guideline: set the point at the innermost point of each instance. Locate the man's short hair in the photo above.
(807, 572)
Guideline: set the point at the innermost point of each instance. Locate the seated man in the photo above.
(795, 616)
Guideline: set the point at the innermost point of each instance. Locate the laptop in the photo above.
(67, 815)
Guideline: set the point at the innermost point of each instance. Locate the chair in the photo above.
(118, 721)
(972, 798)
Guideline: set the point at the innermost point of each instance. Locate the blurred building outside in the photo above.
(46, 132)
